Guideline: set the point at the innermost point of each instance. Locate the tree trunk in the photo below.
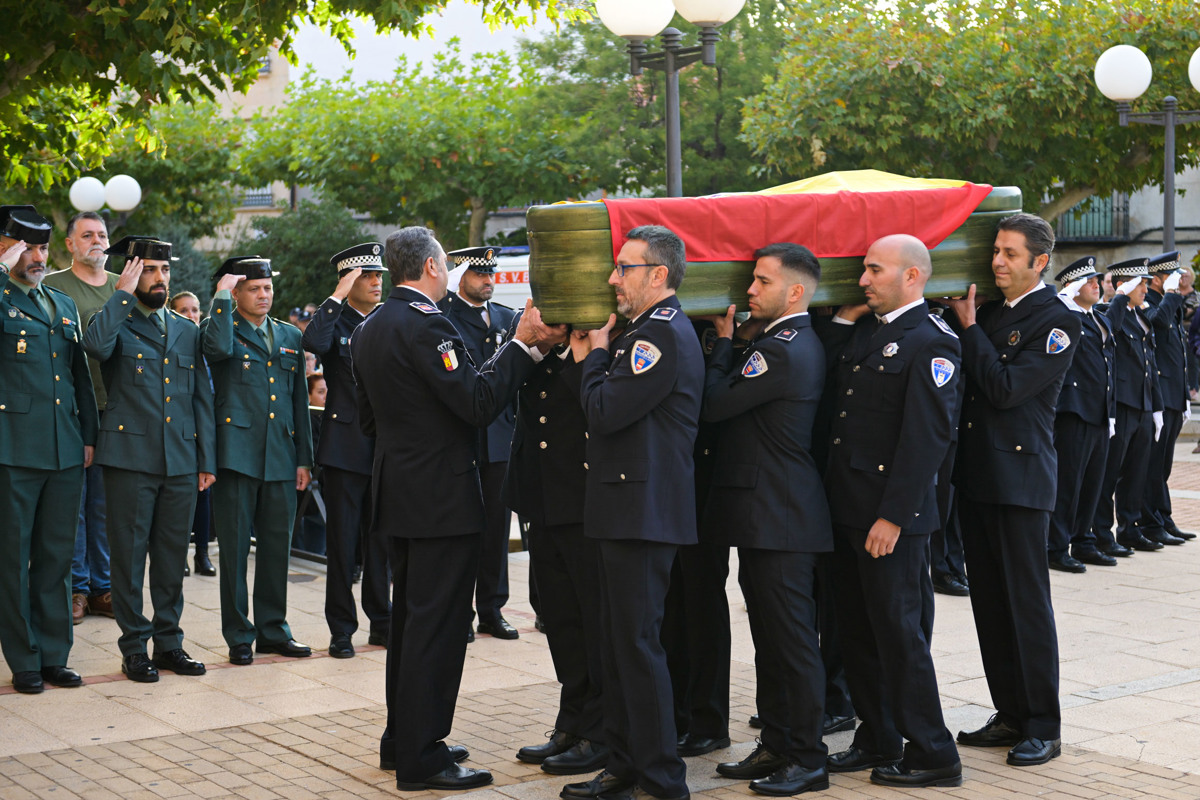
(1071, 198)
(478, 219)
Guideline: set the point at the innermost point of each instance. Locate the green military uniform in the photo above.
(263, 435)
(156, 436)
(47, 416)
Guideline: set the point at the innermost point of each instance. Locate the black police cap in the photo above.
(1133, 268)
(477, 259)
(24, 224)
(1082, 268)
(143, 247)
(1167, 262)
(253, 267)
(367, 257)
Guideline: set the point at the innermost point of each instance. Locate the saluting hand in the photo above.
(130, 276)
(881, 540)
(13, 254)
(227, 282)
(346, 283)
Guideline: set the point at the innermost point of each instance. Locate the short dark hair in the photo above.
(794, 257)
(406, 251)
(662, 247)
(313, 378)
(92, 215)
(180, 295)
(1039, 236)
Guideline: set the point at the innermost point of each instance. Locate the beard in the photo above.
(155, 298)
(95, 259)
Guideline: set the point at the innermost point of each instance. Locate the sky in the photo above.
(376, 56)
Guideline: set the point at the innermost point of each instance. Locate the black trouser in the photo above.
(1082, 452)
(347, 512)
(1156, 510)
(837, 692)
(568, 566)
(780, 595)
(491, 584)
(431, 609)
(639, 726)
(697, 640)
(1010, 598)
(883, 607)
(945, 544)
(1124, 474)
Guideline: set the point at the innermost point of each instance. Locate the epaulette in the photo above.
(425, 308)
(665, 314)
(941, 323)
(787, 334)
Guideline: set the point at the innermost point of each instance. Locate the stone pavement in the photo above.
(301, 728)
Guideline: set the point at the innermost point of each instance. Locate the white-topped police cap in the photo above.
(1077, 270)
(368, 257)
(253, 267)
(477, 259)
(1133, 268)
(24, 224)
(1164, 264)
(143, 247)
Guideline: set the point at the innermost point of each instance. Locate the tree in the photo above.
(441, 147)
(994, 91)
(75, 70)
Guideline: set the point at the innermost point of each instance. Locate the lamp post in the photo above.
(639, 20)
(1123, 74)
(122, 194)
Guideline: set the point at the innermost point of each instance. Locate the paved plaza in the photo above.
(308, 728)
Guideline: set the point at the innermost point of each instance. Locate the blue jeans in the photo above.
(89, 566)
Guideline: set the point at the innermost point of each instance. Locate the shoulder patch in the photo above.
(755, 366)
(425, 308)
(1058, 341)
(943, 326)
(644, 355)
(943, 371)
(787, 334)
(664, 313)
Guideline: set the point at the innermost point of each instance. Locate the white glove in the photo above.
(1072, 289)
(1158, 424)
(1171, 284)
(1187, 412)
(1112, 427)
(1128, 286)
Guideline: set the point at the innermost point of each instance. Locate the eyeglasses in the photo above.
(622, 267)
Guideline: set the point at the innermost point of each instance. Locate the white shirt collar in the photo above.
(895, 314)
(418, 291)
(781, 319)
(1013, 303)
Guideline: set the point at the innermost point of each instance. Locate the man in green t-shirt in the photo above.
(89, 285)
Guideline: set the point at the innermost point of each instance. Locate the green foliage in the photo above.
(440, 147)
(193, 271)
(76, 72)
(300, 244)
(994, 91)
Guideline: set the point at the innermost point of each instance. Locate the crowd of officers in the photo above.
(840, 452)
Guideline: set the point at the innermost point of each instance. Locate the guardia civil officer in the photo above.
(766, 498)
(895, 408)
(641, 395)
(345, 455)
(158, 448)
(48, 425)
(483, 325)
(264, 454)
(1085, 418)
(1016, 353)
(1138, 419)
(1165, 314)
(423, 401)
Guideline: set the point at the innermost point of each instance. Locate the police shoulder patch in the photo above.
(664, 313)
(756, 365)
(943, 371)
(425, 308)
(644, 355)
(943, 326)
(1057, 342)
(787, 334)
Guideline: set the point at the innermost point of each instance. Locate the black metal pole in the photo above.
(672, 39)
(1170, 105)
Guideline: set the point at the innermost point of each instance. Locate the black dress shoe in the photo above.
(377, 638)
(834, 723)
(61, 676)
(470, 634)
(603, 782)
(755, 721)
(1118, 550)
(792, 779)
(900, 775)
(453, 777)
(759, 764)
(340, 646)
(1162, 537)
(204, 566)
(1066, 563)
(539, 624)
(1097, 558)
(638, 793)
(1170, 527)
(1031, 752)
(138, 667)
(583, 757)
(241, 655)
(852, 759)
(456, 751)
(951, 585)
(699, 745)
(995, 734)
(28, 682)
(291, 648)
(179, 662)
(559, 742)
(498, 628)
(1139, 542)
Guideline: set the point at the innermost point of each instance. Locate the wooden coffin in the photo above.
(571, 257)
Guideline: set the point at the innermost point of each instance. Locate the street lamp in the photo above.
(1123, 74)
(639, 20)
(122, 194)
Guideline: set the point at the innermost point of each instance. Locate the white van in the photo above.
(512, 277)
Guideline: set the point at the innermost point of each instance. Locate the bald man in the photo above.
(895, 375)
